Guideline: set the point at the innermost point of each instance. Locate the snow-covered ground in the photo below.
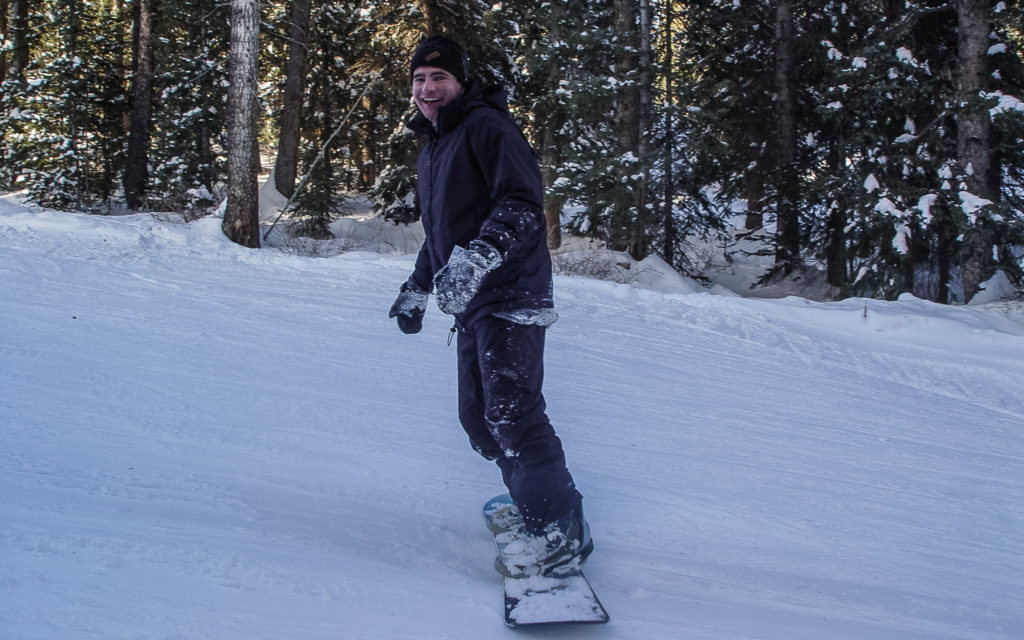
(200, 441)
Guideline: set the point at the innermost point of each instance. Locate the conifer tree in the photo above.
(331, 92)
(190, 113)
(241, 215)
(65, 133)
(19, 36)
(783, 144)
(904, 154)
(575, 109)
(886, 161)
(395, 29)
(683, 214)
(136, 173)
(286, 165)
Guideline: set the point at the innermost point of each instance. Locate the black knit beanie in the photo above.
(444, 53)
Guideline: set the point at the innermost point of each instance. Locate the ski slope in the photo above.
(200, 441)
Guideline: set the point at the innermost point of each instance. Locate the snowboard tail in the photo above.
(563, 598)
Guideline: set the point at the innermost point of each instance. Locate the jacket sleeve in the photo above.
(423, 274)
(510, 170)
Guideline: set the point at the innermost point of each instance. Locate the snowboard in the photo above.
(566, 598)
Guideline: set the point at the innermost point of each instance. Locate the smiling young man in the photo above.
(485, 255)
(432, 88)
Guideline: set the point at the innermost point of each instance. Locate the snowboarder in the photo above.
(485, 256)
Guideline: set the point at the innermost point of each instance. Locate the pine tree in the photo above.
(550, 68)
(887, 161)
(189, 114)
(332, 90)
(784, 141)
(136, 173)
(683, 214)
(14, 60)
(652, 119)
(64, 132)
(241, 215)
(19, 36)
(574, 109)
(980, 185)
(286, 165)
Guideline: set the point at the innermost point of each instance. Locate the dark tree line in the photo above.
(880, 143)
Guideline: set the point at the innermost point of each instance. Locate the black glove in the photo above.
(409, 307)
(459, 281)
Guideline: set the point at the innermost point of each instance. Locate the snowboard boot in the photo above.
(560, 547)
(503, 515)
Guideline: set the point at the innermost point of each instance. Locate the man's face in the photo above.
(432, 88)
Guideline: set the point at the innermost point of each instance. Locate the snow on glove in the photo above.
(409, 307)
(459, 281)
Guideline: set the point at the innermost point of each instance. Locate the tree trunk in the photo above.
(136, 170)
(241, 216)
(668, 247)
(787, 252)
(550, 144)
(19, 39)
(638, 244)
(287, 164)
(74, 106)
(550, 159)
(441, 18)
(627, 119)
(943, 250)
(835, 250)
(3, 30)
(974, 148)
(835, 247)
(753, 187)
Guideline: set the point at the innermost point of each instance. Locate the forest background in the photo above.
(881, 142)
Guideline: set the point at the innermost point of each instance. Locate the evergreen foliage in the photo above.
(64, 124)
(394, 29)
(647, 150)
(187, 158)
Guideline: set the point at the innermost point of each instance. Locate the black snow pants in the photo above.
(502, 409)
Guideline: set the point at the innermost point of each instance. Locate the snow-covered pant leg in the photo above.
(502, 409)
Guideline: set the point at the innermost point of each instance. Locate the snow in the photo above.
(203, 441)
(995, 289)
(1005, 103)
(924, 204)
(906, 56)
(833, 53)
(901, 239)
(871, 183)
(971, 203)
(885, 206)
(570, 596)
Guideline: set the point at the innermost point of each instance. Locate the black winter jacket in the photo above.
(478, 178)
